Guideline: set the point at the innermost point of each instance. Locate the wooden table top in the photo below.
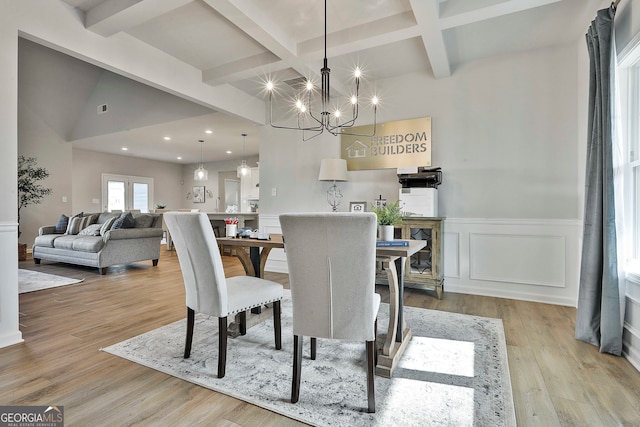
(276, 242)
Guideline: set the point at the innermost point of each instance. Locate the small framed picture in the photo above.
(380, 203)
(198, 194)
(357, 206)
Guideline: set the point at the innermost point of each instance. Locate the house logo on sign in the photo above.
(357, 149)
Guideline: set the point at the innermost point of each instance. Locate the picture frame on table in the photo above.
(380, 203)
(198, 194)
(357, 206)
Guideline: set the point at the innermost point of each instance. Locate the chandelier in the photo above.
(201, 173)
(331, 121)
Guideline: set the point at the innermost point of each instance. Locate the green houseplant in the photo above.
(30, 191)
(388, 216)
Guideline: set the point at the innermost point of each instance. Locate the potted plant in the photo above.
(30, 191)
(388, 216)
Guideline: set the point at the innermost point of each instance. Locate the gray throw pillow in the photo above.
(107, 224)
(62, 224)
(124, 221)
(76, 224)
(67, 231)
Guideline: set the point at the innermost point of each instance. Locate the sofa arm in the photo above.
(47, 229)
(132, 233)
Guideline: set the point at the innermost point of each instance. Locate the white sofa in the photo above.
(113, 247)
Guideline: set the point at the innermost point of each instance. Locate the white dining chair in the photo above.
(331, 259)
(207, 289)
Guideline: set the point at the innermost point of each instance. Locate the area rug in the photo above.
(29, 281)
(453, 373)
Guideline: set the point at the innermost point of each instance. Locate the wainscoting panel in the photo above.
(451, 261)
(519, 259)
(631, 333)
(532, 260)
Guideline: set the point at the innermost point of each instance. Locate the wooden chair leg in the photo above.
(222, 346)
(371, 395)
(277, 325)
(242, 326)
(314, 346)
(297, 367)
(191, 316)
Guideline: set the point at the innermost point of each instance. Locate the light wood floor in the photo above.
(556, 380)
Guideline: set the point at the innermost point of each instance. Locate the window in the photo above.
(629, 90)
(123, 193)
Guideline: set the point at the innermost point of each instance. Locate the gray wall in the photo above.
(505, 132)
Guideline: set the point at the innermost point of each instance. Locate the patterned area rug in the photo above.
(453, 373)
(29, 281)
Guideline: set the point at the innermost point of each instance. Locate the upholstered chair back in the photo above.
(331, 259)
(200, 262)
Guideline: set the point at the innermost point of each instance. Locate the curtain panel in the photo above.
(599, 319)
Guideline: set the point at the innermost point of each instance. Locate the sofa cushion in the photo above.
(90, 230)
(77, 224)
(105, 216)
(88, 244)
(107, 224)
(62, 224)
(124, 221)
(46, 240)
(143, 220)
(65, 241)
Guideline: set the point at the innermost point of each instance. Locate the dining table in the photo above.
(253, 254)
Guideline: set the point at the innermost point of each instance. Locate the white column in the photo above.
(9, 328)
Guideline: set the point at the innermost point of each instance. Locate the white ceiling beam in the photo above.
(372, 34)
(476, 15)
(426, 13)
(243, 69)
(112, 16)
(255, 23)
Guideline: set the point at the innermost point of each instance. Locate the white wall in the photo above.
(211, 204)
(506, 133)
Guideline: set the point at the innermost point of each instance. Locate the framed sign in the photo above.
(357, 207)
(198, 194)
(396, 144)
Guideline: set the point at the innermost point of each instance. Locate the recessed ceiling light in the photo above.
(167, 138)
(124, 148)
(179, 158)
(208, 131)
(229, 151)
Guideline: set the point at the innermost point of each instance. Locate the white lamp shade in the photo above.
(333, 170)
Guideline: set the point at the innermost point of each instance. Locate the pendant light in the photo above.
(243, 169)
(201, 173)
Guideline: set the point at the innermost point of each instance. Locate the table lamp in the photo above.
(333, 170)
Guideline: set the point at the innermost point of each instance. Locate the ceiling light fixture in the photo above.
(243, 169)
(201, 173)
(329, 121)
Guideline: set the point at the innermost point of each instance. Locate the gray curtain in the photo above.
(598, 317)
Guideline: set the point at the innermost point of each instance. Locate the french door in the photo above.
(123, 193)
